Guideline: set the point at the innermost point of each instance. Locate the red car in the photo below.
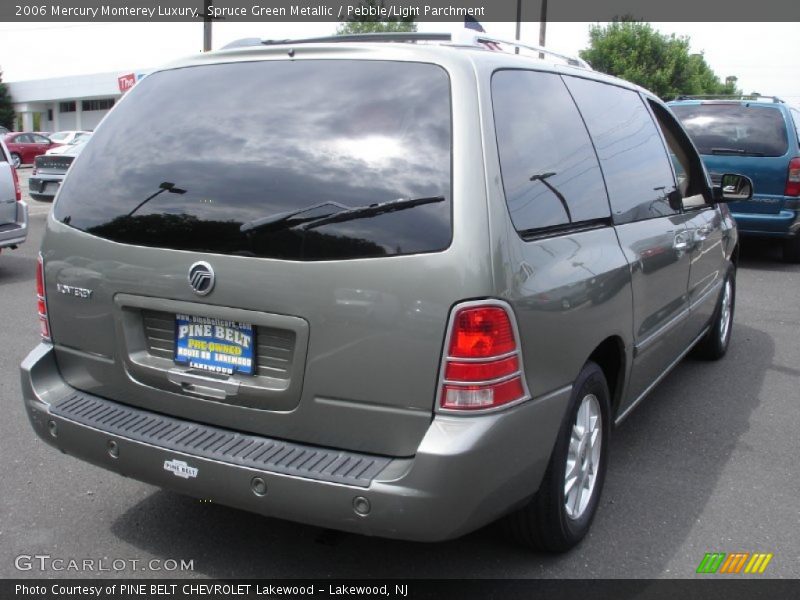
(24, 147)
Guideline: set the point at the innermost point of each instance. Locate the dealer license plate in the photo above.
(214, 345)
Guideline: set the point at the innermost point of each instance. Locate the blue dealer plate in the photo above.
(214, 345)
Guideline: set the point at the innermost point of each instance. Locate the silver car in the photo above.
(49, 170)
(399, 289)
(13, 211)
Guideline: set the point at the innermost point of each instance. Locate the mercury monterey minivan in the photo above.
(396, 285)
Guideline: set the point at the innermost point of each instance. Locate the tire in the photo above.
(715, 343)
(791, 250)
(546, 522)
(16, 160)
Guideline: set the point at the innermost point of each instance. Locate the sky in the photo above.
(764, 56)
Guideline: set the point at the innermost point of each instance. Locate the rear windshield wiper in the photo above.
(343, 213)
(370, 210)
(735, 151)
(286, 216)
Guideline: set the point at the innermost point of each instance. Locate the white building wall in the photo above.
(43, 97)
(66, 121)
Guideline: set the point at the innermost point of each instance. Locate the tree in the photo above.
(375, 23)
(633, 50)
(7, 115)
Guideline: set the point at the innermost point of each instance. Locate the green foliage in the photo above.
(375, 24)
(7, 115)
(634, 51)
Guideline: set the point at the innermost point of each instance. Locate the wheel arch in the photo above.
(609, 355)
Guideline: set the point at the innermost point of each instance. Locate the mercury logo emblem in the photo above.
(201, 278)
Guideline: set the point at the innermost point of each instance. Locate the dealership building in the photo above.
(68, 103)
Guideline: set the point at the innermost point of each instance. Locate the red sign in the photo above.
(126, 82)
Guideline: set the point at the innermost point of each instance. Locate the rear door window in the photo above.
(637, 171)
(215, 159)
(796, 119)
(746, 129)
(550, 172)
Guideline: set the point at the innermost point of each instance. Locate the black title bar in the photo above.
(427, 10)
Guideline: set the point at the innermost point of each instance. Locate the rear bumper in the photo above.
(38, 186)
(12, 234)
(466, 472)
(783, 224)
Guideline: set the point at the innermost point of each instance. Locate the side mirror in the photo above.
(733, 188)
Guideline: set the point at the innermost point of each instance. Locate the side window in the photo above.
(636, 167)
(550, 172)
(796, 118)
(40, 139)
(689, 173)
(23, 139)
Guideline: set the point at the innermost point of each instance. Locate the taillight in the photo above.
(17, 188)
(41, 302)
(483, 366)
(793, 178)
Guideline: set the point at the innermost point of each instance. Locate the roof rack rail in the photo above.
(393, 36)
(466, 37)
(473, 38)
(773, 99)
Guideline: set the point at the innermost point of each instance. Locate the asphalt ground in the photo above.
(708, 463)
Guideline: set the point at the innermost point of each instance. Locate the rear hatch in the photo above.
(270, 253)
(749, 138)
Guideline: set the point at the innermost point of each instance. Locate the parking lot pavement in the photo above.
(706, 464)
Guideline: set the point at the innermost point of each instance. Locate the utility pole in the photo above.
(207, 27)
(519, 23)
(543, 24)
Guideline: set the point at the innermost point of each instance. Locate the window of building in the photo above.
(550, 172)
(101, 104)
(66, 107)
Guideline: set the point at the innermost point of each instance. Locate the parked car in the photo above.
(66, 138)
(759, 138)
(68, 146)
(24, 147)
(4, 130)
(492, 282)
(49, 170)
(13, 211)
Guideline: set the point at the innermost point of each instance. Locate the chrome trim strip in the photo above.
(483, 360)
(665, 328)
(443, 363)
(715, 288)
(658, 379)
(494, 381)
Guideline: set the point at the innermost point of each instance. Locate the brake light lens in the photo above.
(481, 333)
(482, 369)
(44, 324)
(17, 188)
(793, 178)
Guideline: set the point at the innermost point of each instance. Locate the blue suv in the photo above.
(757, 137)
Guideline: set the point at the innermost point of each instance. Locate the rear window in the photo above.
(215, 159)
(735, 128)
